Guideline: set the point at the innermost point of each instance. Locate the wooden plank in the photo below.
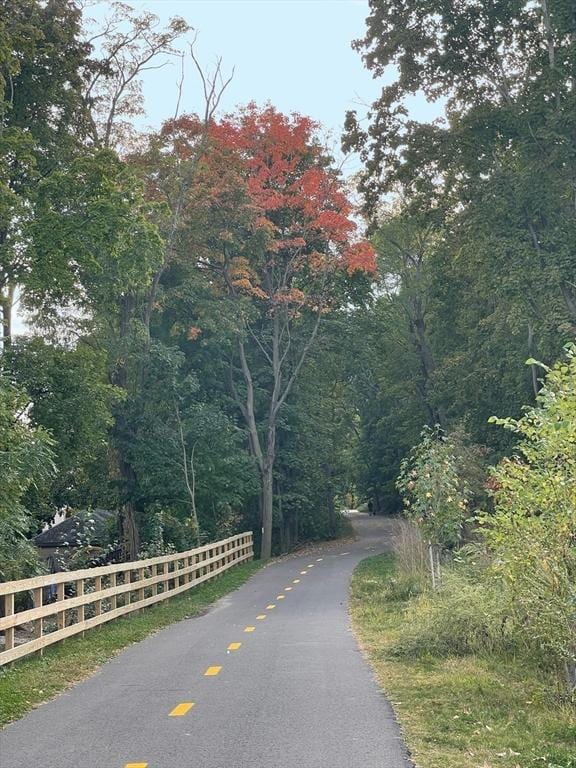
(112, 589)
(97, 588)
(39, 622)
(9, 631)
(154, 572)
(141, 577)
(80, 616)
(60, 598)
(127, 592)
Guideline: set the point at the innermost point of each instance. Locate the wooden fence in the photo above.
(71, 602)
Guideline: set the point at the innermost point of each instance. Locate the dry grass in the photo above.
(410, 552)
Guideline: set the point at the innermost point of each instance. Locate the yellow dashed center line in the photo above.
(303, 573)
(234, 646)
(212, 671)
(182, 709)
(270, 607)
(280, 597)
(261, 616)
(249, 629)
(296, 581)
(136, 765)
(287, 589)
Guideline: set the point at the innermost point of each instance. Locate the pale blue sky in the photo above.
(294, 53)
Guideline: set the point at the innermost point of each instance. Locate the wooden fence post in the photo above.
(97, 588)
(114, 598)
(60, 597)
(80, 615)
(9, 632)
(38, 623)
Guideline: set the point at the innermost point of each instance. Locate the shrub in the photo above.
(532, 532)
(435, 494)
(463, 617)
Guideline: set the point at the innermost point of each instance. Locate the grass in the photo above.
(465, 712)
(30, 681)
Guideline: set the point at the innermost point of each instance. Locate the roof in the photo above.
(87, 525)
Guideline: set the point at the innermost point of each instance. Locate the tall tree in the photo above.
(280, 250)
(43, 117)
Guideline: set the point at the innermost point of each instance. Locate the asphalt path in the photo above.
(296, 693)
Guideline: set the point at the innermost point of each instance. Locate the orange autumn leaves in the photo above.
(283, 218)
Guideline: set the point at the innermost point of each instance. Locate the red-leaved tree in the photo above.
(273, 233)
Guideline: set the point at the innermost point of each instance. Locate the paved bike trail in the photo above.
(296, 693)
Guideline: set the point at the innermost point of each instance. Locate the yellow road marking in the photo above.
(280, 597)
(249, 629)
(261, 616)
(234, 646)
(212, 671)
(181, 709)
(296, 581)
(136, 765)
(270, 607)
(287, 589)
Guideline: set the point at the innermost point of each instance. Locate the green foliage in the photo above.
(466, 616)
(533, 528)
(172, 423)
(25, 460)
(71, 397)
(316, 446)
(436, 496)
(93, 238)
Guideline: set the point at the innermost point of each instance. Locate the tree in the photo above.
(405, 242)
(95, 247)
(436, 495)
(505, 72)
(280, 249)
(43, 118)
(316, 442)
(129, 44)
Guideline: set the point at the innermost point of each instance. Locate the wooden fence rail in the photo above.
(71, 602)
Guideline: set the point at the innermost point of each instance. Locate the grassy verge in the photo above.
(466, 712)
(36, 679)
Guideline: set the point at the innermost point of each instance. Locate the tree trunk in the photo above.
(427, 363)
(435, 571)
(129, 537)
(267, 509)
(7, 302)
